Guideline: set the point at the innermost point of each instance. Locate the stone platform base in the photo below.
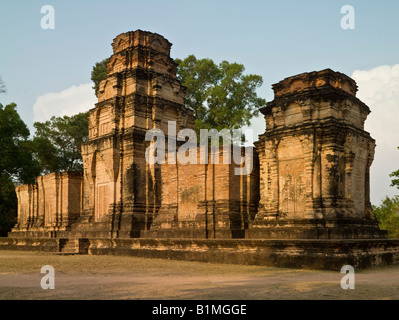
(30, 244)
(306, 254)
(315, 229)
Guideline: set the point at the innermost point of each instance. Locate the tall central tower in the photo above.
(141, 92)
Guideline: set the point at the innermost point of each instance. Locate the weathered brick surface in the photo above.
(49, 206)
(315, 159)
(207, 200)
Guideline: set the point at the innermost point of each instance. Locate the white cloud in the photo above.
(379, 89)
(67, 102)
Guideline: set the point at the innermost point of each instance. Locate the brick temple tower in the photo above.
(122, 192)
(315, 159)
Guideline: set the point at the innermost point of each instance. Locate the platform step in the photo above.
(73, 246)
(69, 247)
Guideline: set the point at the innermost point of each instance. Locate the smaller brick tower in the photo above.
(315, 159)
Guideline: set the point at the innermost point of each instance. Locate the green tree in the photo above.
(57, 143)
(395, 182)
(387, 214)
(99, 73)
(17, 165)
(8, 205)
(221, 96)
(16, 162)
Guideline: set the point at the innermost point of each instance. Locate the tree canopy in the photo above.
(98, 73)
(16, 162)
(17, 165)
(395, 181)
(387, 214)
(57, 143)
(221, 96)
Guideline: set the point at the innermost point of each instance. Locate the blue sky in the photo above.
(274, 39)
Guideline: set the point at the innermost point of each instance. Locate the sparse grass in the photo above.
(24, 261)
(121, 277)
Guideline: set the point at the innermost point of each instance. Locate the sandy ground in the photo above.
(111, 277)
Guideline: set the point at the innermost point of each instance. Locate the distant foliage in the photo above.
(8, 205)
(17, 164)
(99, 73)
(387, 214)
(57, 143)
(395, 181)
(221, 96)
(16, 161)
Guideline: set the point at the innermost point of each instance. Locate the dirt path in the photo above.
(109, 277)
